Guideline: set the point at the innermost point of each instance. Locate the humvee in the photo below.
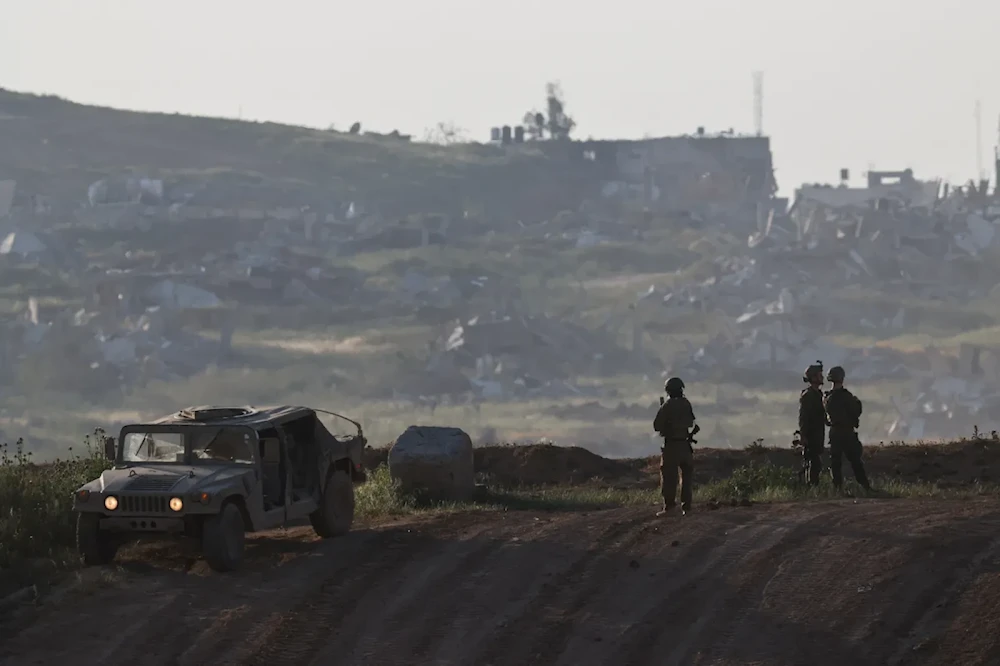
(215, 473)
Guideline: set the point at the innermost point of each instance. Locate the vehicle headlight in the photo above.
(176, 504)
(110, 502)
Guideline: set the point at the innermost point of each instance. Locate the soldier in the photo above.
(673, 421)
(843, 413)
(812, 422)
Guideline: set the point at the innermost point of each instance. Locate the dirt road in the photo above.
(872, 582)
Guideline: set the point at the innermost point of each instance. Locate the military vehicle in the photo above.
(215, 473)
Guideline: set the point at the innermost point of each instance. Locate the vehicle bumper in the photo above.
(142, 524)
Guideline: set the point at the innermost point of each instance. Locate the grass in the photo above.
(755, 482)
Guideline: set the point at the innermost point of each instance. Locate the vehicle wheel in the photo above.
(336, 510)
(222, 539)
(95, 547)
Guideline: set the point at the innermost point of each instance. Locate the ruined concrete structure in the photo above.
(885, 190)
(689, 172)
(702, 168)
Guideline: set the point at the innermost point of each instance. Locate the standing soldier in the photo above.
(843, 413)
(673, 421)
(812, 422)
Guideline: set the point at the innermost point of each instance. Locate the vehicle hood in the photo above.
(173, 479)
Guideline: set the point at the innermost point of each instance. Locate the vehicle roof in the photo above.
(249, 416)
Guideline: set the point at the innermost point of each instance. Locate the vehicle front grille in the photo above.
(143, 504)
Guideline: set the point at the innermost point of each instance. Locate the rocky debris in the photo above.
(170, 294)
(519, 356)
(780, 302)
(434, 462)
(22, 244)
(125, 190)
(776, 287)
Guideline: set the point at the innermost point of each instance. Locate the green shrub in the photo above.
(36, 519)
(756, 481)
(381, 496)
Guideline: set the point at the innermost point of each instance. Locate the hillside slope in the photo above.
(859, 582)
(57, 148)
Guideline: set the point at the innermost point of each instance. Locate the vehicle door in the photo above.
(304, 506)
(273, 488)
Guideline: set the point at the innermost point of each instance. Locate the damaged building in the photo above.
(698, 173)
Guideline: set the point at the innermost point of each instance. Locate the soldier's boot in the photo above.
(685, 509)
(665, 508)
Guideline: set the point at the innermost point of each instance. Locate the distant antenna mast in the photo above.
(979, 139)
(758, 103)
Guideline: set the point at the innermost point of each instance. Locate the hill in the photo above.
(57, 148)
(522, 292)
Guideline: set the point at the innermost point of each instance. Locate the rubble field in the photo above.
(519, 292)
(951, 464)
(900, 582)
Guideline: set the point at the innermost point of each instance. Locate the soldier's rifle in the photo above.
(796, 445)
(691, 440)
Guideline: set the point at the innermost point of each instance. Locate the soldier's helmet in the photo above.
(836, 374)
(814, 369)
(674, 386)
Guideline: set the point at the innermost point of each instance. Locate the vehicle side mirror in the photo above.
(109, 448)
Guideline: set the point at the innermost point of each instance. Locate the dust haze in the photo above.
(525, 285)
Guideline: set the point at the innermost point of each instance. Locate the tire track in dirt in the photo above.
(507, 584)
(509, 644)
(406, 595)
(628, 594)
(674, 605)
(296, 637)
(924, 630)
(96, 636)
(944, 552)
(159, 637)
(237, 618)
(733, 621)
(428, 631)
(556, 631)
(724, 613)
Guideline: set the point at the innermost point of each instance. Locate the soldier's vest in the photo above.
(679, 419)
(847, 410)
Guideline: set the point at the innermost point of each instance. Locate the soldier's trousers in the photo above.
(676, 456)
(812, 462)
(845, 444)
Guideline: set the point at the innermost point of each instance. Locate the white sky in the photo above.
(847, 83)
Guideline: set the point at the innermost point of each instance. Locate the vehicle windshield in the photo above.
(231, 445)
(159, 447)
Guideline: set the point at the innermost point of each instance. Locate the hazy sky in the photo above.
(852, 83)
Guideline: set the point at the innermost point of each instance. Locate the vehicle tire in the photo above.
(223, 537)
(95, 547)
(336, 509)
